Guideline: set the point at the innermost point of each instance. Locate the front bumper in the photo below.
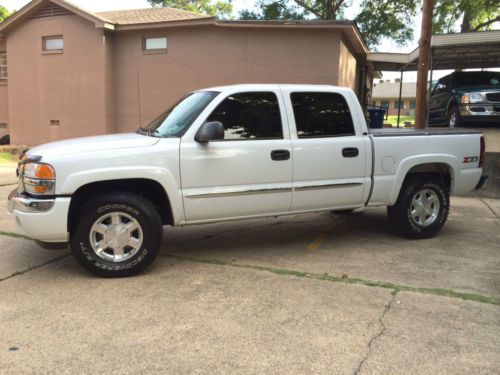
(481, 113)
(41, 219)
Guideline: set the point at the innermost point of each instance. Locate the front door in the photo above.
(247, 173)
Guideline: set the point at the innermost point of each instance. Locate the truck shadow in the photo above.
(284, 235)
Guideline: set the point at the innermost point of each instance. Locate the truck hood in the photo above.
(92, 144)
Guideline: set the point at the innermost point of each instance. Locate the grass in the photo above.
(7, 157)
(393, 120)
(394, 288)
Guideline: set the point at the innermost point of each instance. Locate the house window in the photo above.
(384, 103)
(3, 65)
(53, 43)
(413, 104)
(399, 104)
(155, 44)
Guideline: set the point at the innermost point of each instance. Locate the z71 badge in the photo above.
(471, 159)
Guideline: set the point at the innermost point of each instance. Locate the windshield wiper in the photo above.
(147, 131)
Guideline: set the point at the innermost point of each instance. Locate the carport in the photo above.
(448, 51)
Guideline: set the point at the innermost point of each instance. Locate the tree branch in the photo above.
(486, 23)
(308, 8)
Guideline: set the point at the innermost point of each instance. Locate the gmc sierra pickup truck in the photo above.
(237, 152)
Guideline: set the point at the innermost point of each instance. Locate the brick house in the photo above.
(386, 94)
(66, 72)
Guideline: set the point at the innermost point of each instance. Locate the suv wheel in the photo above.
(422, 207)
(453, 117)
(117, 234)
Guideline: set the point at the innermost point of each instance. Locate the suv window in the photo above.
(249, 116)
(321, 114)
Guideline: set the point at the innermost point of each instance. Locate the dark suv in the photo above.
(464, 98)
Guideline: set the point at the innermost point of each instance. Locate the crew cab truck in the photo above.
(237, 152)
(466, 98)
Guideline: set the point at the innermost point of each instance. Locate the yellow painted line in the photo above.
(315, 245)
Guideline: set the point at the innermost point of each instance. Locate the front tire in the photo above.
(453, 118)
(116, 234)
(422, 207)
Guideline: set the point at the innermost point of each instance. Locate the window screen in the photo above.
(151, 44)
(250, 115)
(53, 43)
(321, 114)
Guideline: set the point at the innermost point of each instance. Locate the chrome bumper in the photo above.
(23, 203)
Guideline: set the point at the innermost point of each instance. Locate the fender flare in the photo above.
(160, 175)
(407, 164)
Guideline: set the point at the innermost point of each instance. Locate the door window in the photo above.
(249, 116)
(321, 114)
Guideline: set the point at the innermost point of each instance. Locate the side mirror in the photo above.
(210, 131)
(441, 87)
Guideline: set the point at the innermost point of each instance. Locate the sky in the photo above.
(238, 5)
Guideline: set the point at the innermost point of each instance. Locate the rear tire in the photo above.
(116, 234)
(422, 207)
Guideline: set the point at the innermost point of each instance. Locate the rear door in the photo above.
(329, 165)
(247, 173)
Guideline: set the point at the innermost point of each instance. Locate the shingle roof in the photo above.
(149, 15)
(391, 90)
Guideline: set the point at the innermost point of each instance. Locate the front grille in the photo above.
(493, 97)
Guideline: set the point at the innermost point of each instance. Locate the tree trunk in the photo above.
(466, 23)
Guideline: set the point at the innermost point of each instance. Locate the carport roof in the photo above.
(450, 51)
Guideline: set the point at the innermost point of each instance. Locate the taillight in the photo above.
(482, 156)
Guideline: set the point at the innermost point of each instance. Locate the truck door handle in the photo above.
(280, 154)
(350, 152)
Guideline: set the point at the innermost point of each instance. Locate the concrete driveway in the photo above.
(317, 293)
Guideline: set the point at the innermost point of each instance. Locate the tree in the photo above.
(219, 8)
(470, 15)
(4, 13)
(274, 10)
(391, 19)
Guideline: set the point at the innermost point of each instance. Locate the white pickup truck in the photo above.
(237, 152)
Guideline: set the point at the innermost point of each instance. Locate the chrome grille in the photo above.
(493, 97)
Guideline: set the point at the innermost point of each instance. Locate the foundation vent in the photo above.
(52, 10)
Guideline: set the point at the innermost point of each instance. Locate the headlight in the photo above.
(38, 179)
(474, 97)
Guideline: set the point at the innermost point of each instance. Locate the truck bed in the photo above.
(402, 132)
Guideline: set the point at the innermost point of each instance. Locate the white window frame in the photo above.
(153, 50)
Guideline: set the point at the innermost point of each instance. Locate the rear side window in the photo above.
(321, 114)
(249, 116)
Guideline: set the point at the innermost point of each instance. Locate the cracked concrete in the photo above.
(387, 307)
(252, 299)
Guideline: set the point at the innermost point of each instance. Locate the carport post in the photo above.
(430, 88)
(400, 92)
(423, 64)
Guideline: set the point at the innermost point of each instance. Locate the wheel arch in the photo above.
(442, 166)
(150, 189)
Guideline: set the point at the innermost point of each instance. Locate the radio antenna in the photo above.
(139, 99)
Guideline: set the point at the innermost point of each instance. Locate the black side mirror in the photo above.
(210, 131)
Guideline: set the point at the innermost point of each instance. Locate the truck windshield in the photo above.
(477, 79)
(175, 121)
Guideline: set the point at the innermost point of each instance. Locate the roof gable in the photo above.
(51, 8)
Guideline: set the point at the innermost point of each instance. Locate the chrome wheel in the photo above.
(424, 207)
(453, 119)
(116, 237)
